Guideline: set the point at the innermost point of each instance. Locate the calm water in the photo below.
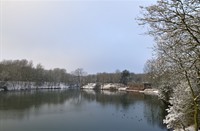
(74, 110)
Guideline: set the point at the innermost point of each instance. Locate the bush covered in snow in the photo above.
(180, 113)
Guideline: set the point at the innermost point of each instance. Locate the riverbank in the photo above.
(22, 85)
(119, 87)
(146, 91)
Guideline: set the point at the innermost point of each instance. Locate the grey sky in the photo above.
(99, 36)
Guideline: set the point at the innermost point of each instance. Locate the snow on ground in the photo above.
(107, 86)
(89, 86)
(150, 91)
(21, 85)
(115, 86)
(190, 128)
(119, 87)
(122, 88)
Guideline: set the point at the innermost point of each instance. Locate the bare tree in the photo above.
(79, 73)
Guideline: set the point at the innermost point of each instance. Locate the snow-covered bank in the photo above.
(21, 85)
(190, 128)
(119, 87)
(151, 91)
(113, 86)
(108, 86)
(89, 86)
(146, 91)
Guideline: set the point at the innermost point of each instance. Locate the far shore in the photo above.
(120, 87)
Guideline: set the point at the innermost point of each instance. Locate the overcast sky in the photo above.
(96, 35)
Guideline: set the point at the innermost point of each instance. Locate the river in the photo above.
(80, 110)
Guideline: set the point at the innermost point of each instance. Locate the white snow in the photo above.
(150, 91)
(190, 128)
(89, 86)
(122, 88)
(22, 85)
(115, 86)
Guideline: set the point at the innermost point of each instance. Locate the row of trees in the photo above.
(23, 70)
(123, 77)
(175, 25)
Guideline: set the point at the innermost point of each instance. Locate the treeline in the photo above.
(24, 70)
(123, 77)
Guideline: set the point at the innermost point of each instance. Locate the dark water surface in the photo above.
(75, 110)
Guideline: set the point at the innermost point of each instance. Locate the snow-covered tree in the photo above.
(175, 25)
(180, 114)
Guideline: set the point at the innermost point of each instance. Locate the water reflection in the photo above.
(120, 106)
(154, 109)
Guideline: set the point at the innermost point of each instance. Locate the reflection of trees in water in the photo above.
(116, 100)
(122, 99)
(154, 111)
(26, 99)
(19, 104)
